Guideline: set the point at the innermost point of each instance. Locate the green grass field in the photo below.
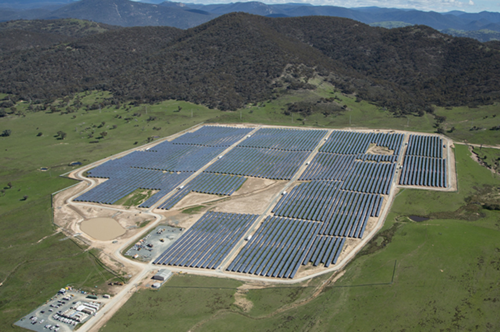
(32, 270)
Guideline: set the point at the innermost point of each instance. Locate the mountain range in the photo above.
(185, 15)
(238, 58)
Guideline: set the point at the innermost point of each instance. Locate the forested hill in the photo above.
(23, 34)
(238, 58)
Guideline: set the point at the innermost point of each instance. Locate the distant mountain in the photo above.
(7, 14)
(481, 35)
(181, 15)
(390, 24)
(24, 34)
(33, 4)
(129, 13)
(487, 16)
(239, 58)
(252, 7)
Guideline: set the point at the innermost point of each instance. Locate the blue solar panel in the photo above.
(262, 163)
(348, 142)
(277, 248)
(127, 180)
(284, 139)
(215, 184)
(213, 136)
(208, 241)
(423, 163)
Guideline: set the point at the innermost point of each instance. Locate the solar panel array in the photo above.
(206, 183)
(343, 213)
(213, 136)
(261, 163)
(370, 177)
(325, 250)
(208, 241)
(425, 146)
(277, 249)
(143, 169)
(424, 164)
(328, 166)
(127, 180)
(284, 139)
(350, 142)
(346, 188)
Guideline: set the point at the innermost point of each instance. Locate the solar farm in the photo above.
(336, 187)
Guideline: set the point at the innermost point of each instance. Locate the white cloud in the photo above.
(471, 3)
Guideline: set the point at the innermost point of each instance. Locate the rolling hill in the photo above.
(128, 13)
(238, 59)
(176, 14)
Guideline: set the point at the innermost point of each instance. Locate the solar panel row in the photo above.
(309, 201)
(127, 180)
(349, 212)
(377, 158)
(216, 184)
(208, 241)
(177, 158)
(423, 171)
(370, 177)
(328, 166)
(425, 146)
(349, 142)
(262, 163)
(213, 136)
(277, 248)
(284, 139)
(325, 250)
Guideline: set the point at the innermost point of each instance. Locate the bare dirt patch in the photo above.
(252, 203)
(240, 299)
(195, 199)
(103, 229)
(375, 149)
(252, 185)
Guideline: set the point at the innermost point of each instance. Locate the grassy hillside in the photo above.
(446, 275)
(34, 268)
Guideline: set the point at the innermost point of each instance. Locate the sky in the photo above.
(473, 6)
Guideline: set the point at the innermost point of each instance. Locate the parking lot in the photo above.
(153, 244)
(63, 312)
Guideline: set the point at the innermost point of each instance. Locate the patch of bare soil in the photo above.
(375, 149)
(240, 299)
(103, 229)
(254, 203)
(252, 185)
(195, 199)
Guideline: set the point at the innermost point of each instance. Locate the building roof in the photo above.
(164, 273)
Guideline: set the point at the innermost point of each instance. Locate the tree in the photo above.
(25, 197)
(104, 134)
(61, 134)
(39, 134)
(9, 185)
(6, 133)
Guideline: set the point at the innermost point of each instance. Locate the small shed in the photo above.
(162, 275)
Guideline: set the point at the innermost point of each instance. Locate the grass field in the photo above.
(33, 269)
(446, 277)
